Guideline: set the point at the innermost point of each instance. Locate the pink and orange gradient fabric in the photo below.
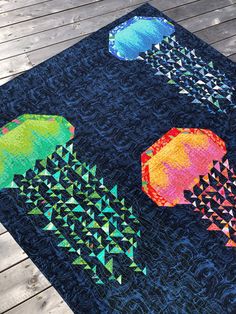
(175, 162)
(189, 166)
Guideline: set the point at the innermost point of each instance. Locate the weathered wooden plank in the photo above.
(9, 5)
(63, 18)
(218, 32)
(33, 58)
(227, 46)
(197, 8)
(168, 4)
(7, 79)
(14, 65)
(20, 283)
(2, 229)
(21, 63)
(40, 55)
(10, 252)
(47, 8)
(215, 17)
(48, 301)
(35, 24)
(233, 57)
(53, 36)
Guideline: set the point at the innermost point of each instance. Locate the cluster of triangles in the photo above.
(194, 76)
(90, 220)
(215, 198)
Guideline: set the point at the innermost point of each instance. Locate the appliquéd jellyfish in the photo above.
(91, 221)
(153, 41)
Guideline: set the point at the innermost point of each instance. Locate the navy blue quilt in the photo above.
(120, 101)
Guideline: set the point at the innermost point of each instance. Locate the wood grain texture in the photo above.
(39, 10)
(20, 283)
(43, 54)
(218, 32)
(46, 302)
(197, 8)
(163, 5)
(15, 65)
(33, 58)
(11, 70)
(70, 31)
(226, 46)
(53, 36)
(48, 19)
(7, 79)
(10, 252)
(209, 19)
(53, 21)
(9, 5)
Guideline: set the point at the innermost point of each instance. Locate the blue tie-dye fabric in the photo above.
(138, 35)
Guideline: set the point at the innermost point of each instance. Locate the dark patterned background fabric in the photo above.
(119, 109)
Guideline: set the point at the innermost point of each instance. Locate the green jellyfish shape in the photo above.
(91, 221)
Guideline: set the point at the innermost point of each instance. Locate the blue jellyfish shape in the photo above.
(152, 40)
(136, 35)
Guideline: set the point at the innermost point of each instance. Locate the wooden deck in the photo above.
(32, 31)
